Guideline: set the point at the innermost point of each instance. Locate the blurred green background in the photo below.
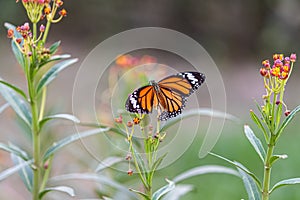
(238, 35)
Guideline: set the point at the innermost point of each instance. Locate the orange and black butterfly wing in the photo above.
(174, 91)
(142, 100)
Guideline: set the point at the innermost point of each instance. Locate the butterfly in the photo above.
(168, 96)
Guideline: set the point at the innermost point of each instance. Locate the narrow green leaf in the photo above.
(142, 166)
(286, 182)
(198, 112)
(18, 105)
(18, 54)
(96, 178)
(72, 138)
(108, 162)
(276, 157)
(15, 88)
(251, 188)
(140, 193)
(6, 173)
(287, 120)
(158, 162)
(240, 166)
(178, 192)
(155, 166)
(25, 172)
(64, 189)
(259, 124)
(163, 190)
(204, 170)
(54, 46)
(14, 151)
(59, 116)
(54, 58)
(53, 72)
(113, 129)
(255, 142)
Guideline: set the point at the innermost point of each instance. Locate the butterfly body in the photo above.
(169, 95)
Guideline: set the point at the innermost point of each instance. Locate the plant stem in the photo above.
(35, 135)
(267, 170)
(36, 149)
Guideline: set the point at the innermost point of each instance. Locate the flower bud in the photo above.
(42, 28)
(293, 57)
(136, 120)
(129, 124)
(263, 71)
(287, 113)
(63, 12)
(10, 33)
(130, 172)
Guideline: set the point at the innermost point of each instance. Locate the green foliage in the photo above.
(253, 192)
(164, 190)
(72, 138)
(17, 103)
(64, 189)
(255, 142)
(52, 73)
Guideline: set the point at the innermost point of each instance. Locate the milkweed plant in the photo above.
(41, 64)
(272, 119)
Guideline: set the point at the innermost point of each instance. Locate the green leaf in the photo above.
(6, 173)
(112, 129)
(287, 120)
(53, 72)
(179, 191)
(163, 190)
(53, 48)
(276, 157)
(54, 58)
(72, 138)
(16, 89)
(18, 54)
(64, 189)
(259, 124)
(59, 116)
(25, 172)
(140, 193)
(141, 165)
(251, 188)
(18, 105)
(286, 182)
(204, 170)
(108, 162)
(155, 166)
(14, 151)
(240, 166)
(158, 162)
(96, 178)
(255, 142)
(197, 112)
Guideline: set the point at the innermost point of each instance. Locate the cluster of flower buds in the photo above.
(39, 9)
(280, 68)
(128, 61)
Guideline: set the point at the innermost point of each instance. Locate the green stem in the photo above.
(43, 103)
(46, 31)
(36, 149)
(34, 31)
(47, 173)
(267, 170)
(35, 134)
